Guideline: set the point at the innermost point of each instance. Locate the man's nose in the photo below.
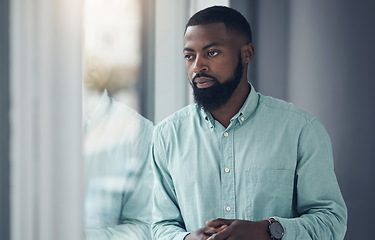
(200, 65)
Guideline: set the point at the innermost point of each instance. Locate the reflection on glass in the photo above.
(112, 42)
(118, 176)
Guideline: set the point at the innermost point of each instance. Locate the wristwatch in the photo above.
(275, 229)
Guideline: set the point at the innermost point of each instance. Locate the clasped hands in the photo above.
(231, 229)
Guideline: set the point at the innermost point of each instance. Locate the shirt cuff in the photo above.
(290, 227)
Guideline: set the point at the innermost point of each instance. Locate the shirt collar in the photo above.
(246, 111)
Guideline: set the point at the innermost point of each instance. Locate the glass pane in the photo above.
(118, 177)
(112, 42)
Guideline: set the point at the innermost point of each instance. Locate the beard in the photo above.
(214, 97)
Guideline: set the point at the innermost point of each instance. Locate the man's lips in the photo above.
(204, 82)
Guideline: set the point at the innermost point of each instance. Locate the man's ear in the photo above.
(247, 52)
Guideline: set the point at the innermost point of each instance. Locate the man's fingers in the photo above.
(221, 228)
(224, 234)
(218, 222)
(213, 223)
(212, 237)
(212, 230)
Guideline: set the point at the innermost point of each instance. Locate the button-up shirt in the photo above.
(274, 160)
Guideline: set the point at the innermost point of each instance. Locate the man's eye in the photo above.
(188, 57)
(213, 53)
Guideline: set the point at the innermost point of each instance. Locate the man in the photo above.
(118, 175)
(237, 164)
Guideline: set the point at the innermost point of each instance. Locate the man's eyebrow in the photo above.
(212, 45)
(205, 47)
(188, 49)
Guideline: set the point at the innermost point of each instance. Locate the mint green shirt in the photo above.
(273, 160)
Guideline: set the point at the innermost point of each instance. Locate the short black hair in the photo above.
(233, 20)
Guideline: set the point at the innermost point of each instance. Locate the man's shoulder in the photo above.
(286, 108)
(180, 117)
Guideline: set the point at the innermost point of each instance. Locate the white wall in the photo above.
(332, 75)
(46, 78)
(170, 77)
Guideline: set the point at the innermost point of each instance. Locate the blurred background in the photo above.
(55, 56)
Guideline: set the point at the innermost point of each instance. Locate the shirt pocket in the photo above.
(269, 192)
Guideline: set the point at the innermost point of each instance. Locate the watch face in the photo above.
(276, 230)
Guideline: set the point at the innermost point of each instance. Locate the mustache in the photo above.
(198, 75)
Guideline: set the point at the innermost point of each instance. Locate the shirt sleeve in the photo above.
(167, 219)
(322, 210)
(136, 206)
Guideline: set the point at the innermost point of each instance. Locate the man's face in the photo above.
(213, 62)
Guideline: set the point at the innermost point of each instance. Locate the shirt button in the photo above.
(226, 134)
(227, 208)
(227, 170)
(242, 119)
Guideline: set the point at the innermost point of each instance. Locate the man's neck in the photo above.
(225, 113)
